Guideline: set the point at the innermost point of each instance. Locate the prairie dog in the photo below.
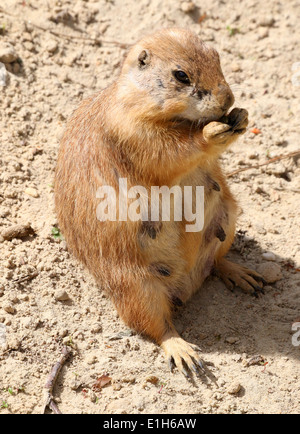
(163, 122)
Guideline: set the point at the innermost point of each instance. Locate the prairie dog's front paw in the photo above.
(238, 120)
(217, 133)
(227, 129)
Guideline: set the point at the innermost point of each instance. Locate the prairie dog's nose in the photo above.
(225, 97)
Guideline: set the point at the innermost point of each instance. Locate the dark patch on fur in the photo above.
(176, 301)
(213, 184)
(215, 230)
(220, 233)
(117, 175)
(151, 228)
(160, 269)
(160, 83)
(226, 215)
(209, 233)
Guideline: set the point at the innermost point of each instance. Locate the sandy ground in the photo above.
(58, 52)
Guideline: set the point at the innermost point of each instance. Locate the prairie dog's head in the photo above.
(172, 74)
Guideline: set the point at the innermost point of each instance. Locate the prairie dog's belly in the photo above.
(217, 220)
(187, 258)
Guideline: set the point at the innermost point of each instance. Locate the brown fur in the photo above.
(142, 128)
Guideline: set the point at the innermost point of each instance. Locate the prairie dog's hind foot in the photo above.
(182, 355)
(236, 275)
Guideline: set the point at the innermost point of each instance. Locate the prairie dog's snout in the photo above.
(225, 97)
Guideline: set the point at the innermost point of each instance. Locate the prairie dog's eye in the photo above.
(182, 77)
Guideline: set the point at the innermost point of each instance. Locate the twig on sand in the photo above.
(71, 37)
(49, 401)
(27, 278)
(83, 38)
(271, 160)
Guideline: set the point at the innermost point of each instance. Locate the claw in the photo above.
(200, 364)
(183, 356)
(235, 124)
(185, 373)
(171, 363)
(194, 369)
(236, 117)
(260, 279)
(195, 347)
(258, 288)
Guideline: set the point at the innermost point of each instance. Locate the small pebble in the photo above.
(92, 396)
(61, 295)
(75, 384)
(17, 231)
(235, 67)
(267, 21)
(252, 155)
(232, 340)
(187, 7)
(32, 192)
(260, 229)
(2, 335)
(117, 387)
(96, 328)
(129, 379)
(270, 271)
(91, 359)
(7, 53)
(152, 379)
(234, 388)
(9, 308)
(262, 33)
(269, 256)
(278, 169)
(258, 189)
(3, 75)
(51, 46)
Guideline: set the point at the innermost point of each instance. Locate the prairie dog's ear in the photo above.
(144, 58)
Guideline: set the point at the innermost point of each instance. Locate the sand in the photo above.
(58, 52)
